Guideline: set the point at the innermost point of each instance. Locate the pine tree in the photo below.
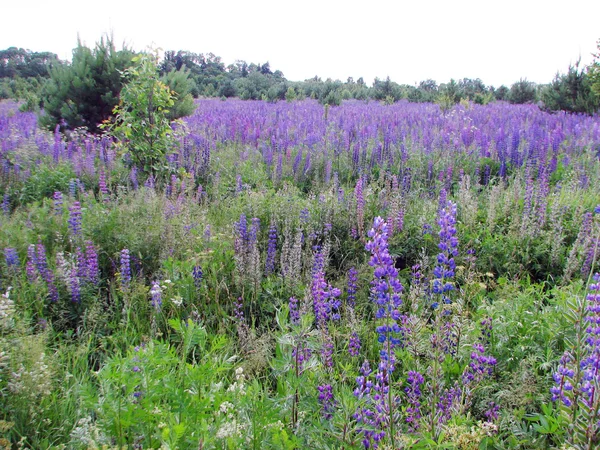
(84, 93)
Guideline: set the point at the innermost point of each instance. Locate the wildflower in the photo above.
(386, 287)
(156, 296)
(326, 401)
(125, 268)
(75, 219)
(58, 202)
(11, 257)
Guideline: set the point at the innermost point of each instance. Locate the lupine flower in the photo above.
(11, 257)
(301, 353)
(102, 186)
(480, 366)
(591, 363)
(125, 268)
(326, 401)
(91, 262)
(354, 344)
(294, 311)
(444, 270)
(563, 378)
(386, 287)
(5, 206)
(197, 275)
(271, 250)
(413, 394)
(58, 202)
(327, 349)
(75, 219)
(74, 286)
(491, 414)
(352, 286)
(41, 261)
(30, 266)
(156, 296)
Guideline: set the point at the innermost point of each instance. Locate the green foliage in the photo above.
(21, 63)
(181, 85)
(142, 118)
(522, 91)
(44, 181)
(571, 92)
(84, 93)
(594, 72)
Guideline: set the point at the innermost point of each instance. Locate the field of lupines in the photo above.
(361, 276)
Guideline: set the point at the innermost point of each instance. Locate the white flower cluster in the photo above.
(7, 308)
(238, 385)
(87, 435)
(37, 381)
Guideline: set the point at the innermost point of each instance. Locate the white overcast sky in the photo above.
(409, 41)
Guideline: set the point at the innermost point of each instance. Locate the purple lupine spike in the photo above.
(301, 353)
(91, 262)
(271, 250)
(386, 287)
(590, 365)
(156, 296)
(11, 258)
(58, 202)
(5, 206)
(327, 349)
(444, 270)
(74, 286)
(354, 344)
(352, 287)
(52, 289)
(75, 219)
(326, 401)
(102, 186)
(294, 311)
(125, 268)
(197, 275)
(41, 261)
(413, 394)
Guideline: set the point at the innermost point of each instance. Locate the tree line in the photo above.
(85, 91)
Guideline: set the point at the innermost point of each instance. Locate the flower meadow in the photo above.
(364, 276)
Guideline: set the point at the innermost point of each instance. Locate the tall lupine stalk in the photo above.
(75, 220)
(271, 250)
(443, 339)
(577, 379)
(58, 202)
(103, 189)
(385, 292)
(125, 268)
(443, 272)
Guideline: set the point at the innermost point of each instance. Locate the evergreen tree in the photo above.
(571, 92)
(84, 93)
(522, 91)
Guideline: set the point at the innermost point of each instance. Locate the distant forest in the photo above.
(25, 76)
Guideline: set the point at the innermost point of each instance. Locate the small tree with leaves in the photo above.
(142, 123)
